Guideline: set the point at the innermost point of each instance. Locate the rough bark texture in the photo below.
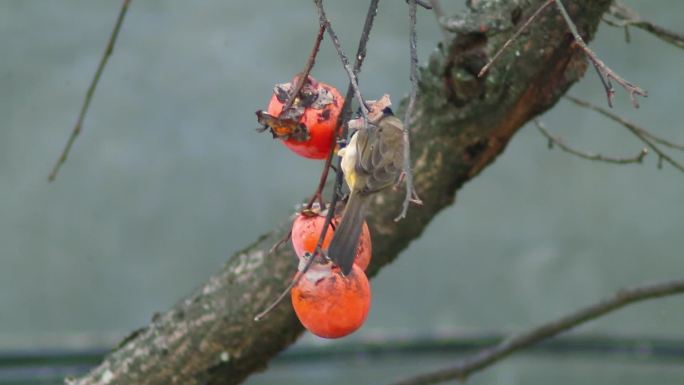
(461, 124)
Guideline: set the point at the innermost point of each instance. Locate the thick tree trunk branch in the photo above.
(460, 125)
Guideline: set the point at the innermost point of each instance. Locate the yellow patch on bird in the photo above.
(349, 158)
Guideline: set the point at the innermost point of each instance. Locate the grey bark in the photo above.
(460, 125)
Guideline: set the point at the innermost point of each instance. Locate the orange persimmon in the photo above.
(329, 304)
(308, 127)
(306, 229)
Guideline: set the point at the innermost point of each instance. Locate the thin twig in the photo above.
(605, 73)
(512, 38)
(425, 4)
(280, 242)
(91, 90)
(657, 139)
(411, 195)
(339, 177)
(555, 140)
(301, 79)
(490, 356)
(345, 61)
(628, 18)
(341, 133)
(641, 133)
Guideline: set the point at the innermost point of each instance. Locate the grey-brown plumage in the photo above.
(372, 161)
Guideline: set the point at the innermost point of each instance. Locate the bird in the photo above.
(371, 161)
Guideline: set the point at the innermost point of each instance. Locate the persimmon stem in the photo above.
(303, 76)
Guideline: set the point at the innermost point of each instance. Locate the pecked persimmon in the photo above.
(308, 126)
(306, 229)
(329, 304)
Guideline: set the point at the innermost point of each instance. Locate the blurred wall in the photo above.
(169, 177)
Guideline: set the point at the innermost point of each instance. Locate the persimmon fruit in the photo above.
(329, 304)
(306, 229)
(309, 128)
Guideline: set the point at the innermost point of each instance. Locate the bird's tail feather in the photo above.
(343, 246)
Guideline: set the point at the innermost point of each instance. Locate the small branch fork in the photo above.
(605, 73)
(490, 356)
(91, 90)
(626, 17)
(557, 141)
(352, 91)
(343, 58)
(649, 139)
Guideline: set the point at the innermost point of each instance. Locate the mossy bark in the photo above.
(460, 125)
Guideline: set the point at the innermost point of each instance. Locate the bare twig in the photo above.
(339, 178)
(411, 195)
(490, 356)
(605, 73)
(301, 79)
(280, 242)
(512, 38)
(91, 90)
(641, 133)
(626, 18)
(346, 108)
(345, 61)
(555, 140)
(657, 139)
(422, 3)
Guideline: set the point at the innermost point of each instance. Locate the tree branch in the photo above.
(91, 90)
(557, 141)
(626, 18)
(490, 356)
(604, 72)
(343, 58)
(210, 336)
(642, 134)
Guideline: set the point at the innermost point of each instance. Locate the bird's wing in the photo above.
(381, 158)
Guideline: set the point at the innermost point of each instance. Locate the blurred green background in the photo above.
(169, 178)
